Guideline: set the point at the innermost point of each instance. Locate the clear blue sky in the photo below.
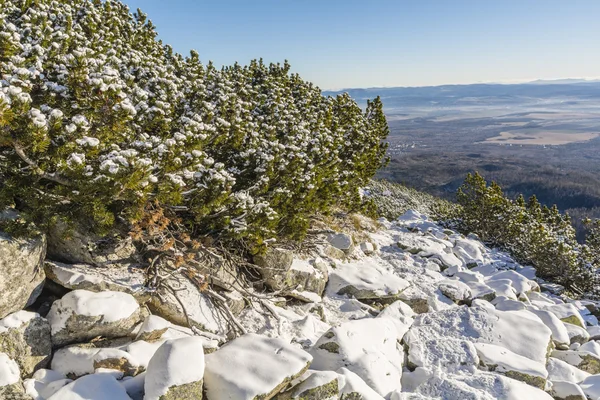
(368, 43)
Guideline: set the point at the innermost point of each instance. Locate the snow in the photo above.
(153, 323)
(349, 382)
(560, 335)
(9, 371)
(111, 306)
(564, 311)
(81, 361)
(369, 347)
(314, 379)
(505, 360)
(251, 366)
(16, 320)
(96, 387)
(82, 276)
(563, 390)
(591, 386)
(176, 362)
(366, 277)
(515, 331)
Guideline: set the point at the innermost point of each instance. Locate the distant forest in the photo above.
(574, 191)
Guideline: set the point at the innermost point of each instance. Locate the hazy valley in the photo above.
(536, 138)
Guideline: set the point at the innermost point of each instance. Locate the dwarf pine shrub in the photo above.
(98, 119)
(532, 233)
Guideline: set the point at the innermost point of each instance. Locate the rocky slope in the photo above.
(410, 311)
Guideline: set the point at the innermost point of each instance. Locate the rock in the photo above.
(76, 245)
(520, 283)
(201, 313)
(314, 385)
(367, 248)
(455, 290)
(352, 387)
(397, 310)
(453, 354)
(302, 276)
(75, 361)
(367, 282)
(517, 331)
(25, 337)
(505, 362)
(120, 278)
(21, 272)
(562, 390)
(559, 370)
(82, 315)
(479, 386)
(567, 313)
(369, 347)
(594, 332)
(10, 380)
(560, 335)
(153, 328)
(134, 386)
(96, 387)
(176, 371)
(331, 252)
(591, 347)
(44, 383)
(274, 262)
(583, 360)
(481, 291)
(468, 251)
(253, 367)
(504, 304)
(576, 333)
(591, 386)
(341, 241)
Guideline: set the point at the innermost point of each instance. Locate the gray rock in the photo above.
(119, 278)
(274, 264)
(21, 271)
(456, 290)
(25, 337)
(77, 245)
(313, 385)
(160, 370)
(82, 315)
(78, 360)
(341, 241)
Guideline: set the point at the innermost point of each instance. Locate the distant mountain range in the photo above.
(489, 94)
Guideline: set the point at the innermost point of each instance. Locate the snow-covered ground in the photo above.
(428, 314)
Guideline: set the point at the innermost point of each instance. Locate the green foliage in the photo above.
(99, 119)
(532, 233)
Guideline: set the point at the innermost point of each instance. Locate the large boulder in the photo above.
(25, 337)
(21, 271)
(368, 347)
(559, 370)
(504, 361)
(517, 331)
(82, 315)
(96, 387)
(478, 386)
(341, 241)
(119, 278)
(313, 385)
(583, 360)
(297, 277)
(77, 245)
(44, 383)
(368, 282)
(176, 371)
(352, 387)
(253, 367)
(187, 306)
(78, 360)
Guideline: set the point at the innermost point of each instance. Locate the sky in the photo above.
(385, 43)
